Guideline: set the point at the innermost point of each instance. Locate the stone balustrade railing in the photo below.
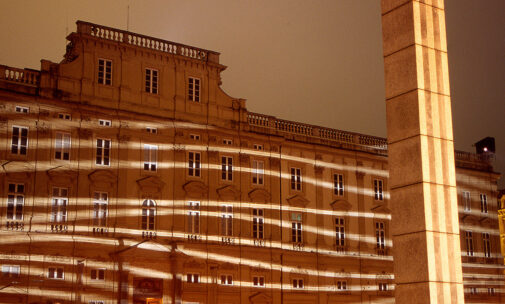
(109, 33)
(23, 76)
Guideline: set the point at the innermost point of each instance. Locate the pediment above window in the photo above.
(469, 219)
(150, 184)
(229, 192)
(103, 178)
(341, 205)
(61, 176)
(381, 209)
(228, 266)
(260, 298)
(259, 196)
(298, 201)
(195, 189)
(487, 222)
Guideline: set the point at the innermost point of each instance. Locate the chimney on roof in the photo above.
(485, 146)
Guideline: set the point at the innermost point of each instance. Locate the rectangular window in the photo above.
(98, 274)
(296, 227)
(193, 278)
(15, 201)
(469, 243)
(378, 190)
(483, 203)
(296, 179)
(341, 285)
(226, 168)
(338, 184)
(59, 208)
(23, 110)
(19, 142)
(226, 220)
(194, 89)
(259, 281)
(151, 130)
(100, 203)
(297, 283)
(103, 152)
(258, 147)
(105, 71)
(490, 291)
(466, 201)
(10, 271)
(257, 172)
(96, 302)
(152, 81)
(258, 221)
(486, 243)
(55, 273)
(226, 279)
(227, 142)
(380, 235)
(340, 232)
(194, 136)
(64, 116)
(383, 286)
(62, 146)
(194, 164)
(104, 122)
(150, 157)
(194, 217)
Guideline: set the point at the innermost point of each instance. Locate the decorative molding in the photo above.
(381, 208)
(59, 176)
(102, 179)
(150, 184)
(259, 195)
(195, 189)
(298, 201)
(260, 298)
(228, 192)
(341, 205)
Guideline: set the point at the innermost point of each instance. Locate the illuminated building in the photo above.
(129, 176)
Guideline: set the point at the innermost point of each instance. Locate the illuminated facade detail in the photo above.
(10, 271)
(55, 273)
(141, 201)
(23, 110)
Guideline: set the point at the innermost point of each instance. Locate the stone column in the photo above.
(425, 227)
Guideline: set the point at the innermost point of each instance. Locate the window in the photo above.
(62, 146)
(105, 71)
(258, 147)
(257, 223)
(486, 243)
(19, 140)
(257, 172)
(483, 203)
(259, 281)
(194, 136)
(64, 116)
(226, 279)
(55, 273)
(383, 286)
(59, 209)
(194, 217)
(466, 201)
(378, 189)
(193, 278)
(15, 201)
(151, 130)
(152, 81)
(100, 203)
(296, 179)
(194, 89)
(469, 243)
(10, 271)
(297, 283)
(226, 168)
(105, 123)
(380, 235)
(96, 302)
(473, 290)
(227, 142)
(23, 110)
(341, 285)
(194, 164)
(150, 157)
(339, 232)
(491, 291)
(98, 274)
(148, 214)
(226, 220)
(338, 184)
(296, 227)
(102, 152)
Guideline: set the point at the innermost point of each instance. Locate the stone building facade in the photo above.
(129, 176)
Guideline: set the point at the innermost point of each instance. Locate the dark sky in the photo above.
(318, 62)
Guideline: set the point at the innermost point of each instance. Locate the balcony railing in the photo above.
(22, 76)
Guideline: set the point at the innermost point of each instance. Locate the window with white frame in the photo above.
(483, 203)
(340, 232)
(227, 141)
(193, 217)
(64, 116)
(226, 220)
(383, 286)
(296, 179)
(192, 278)
(194, 136)
(297, 283)
(258, 147)
(194, 164)
(100, 206)
(226, 279)
(257, 223)
(98, 274)
(20, 109)
(258, 281)
(10, 271)
(469, 242)
(104, 71)
(103, 152)
(15, 201)
(19, 142)
(341, 285)
(150, 157)
(62, 146)
(257, 172)
(380, 236)
(486, 243)
(227, 168)
(104, 122)
(148, 214)
(96, 302)
(296, 227)
(59, 207)
(151, 130)
(378, 189)
(151, 81)
(55, 273)
(338, 184)
(467, 203)
(194, 89)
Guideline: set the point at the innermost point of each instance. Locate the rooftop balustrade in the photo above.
(23, 76)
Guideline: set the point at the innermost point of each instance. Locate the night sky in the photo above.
(318, 62)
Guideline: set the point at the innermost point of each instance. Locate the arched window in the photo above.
(148, 214)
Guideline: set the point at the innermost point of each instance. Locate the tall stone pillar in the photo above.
(425, 227)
